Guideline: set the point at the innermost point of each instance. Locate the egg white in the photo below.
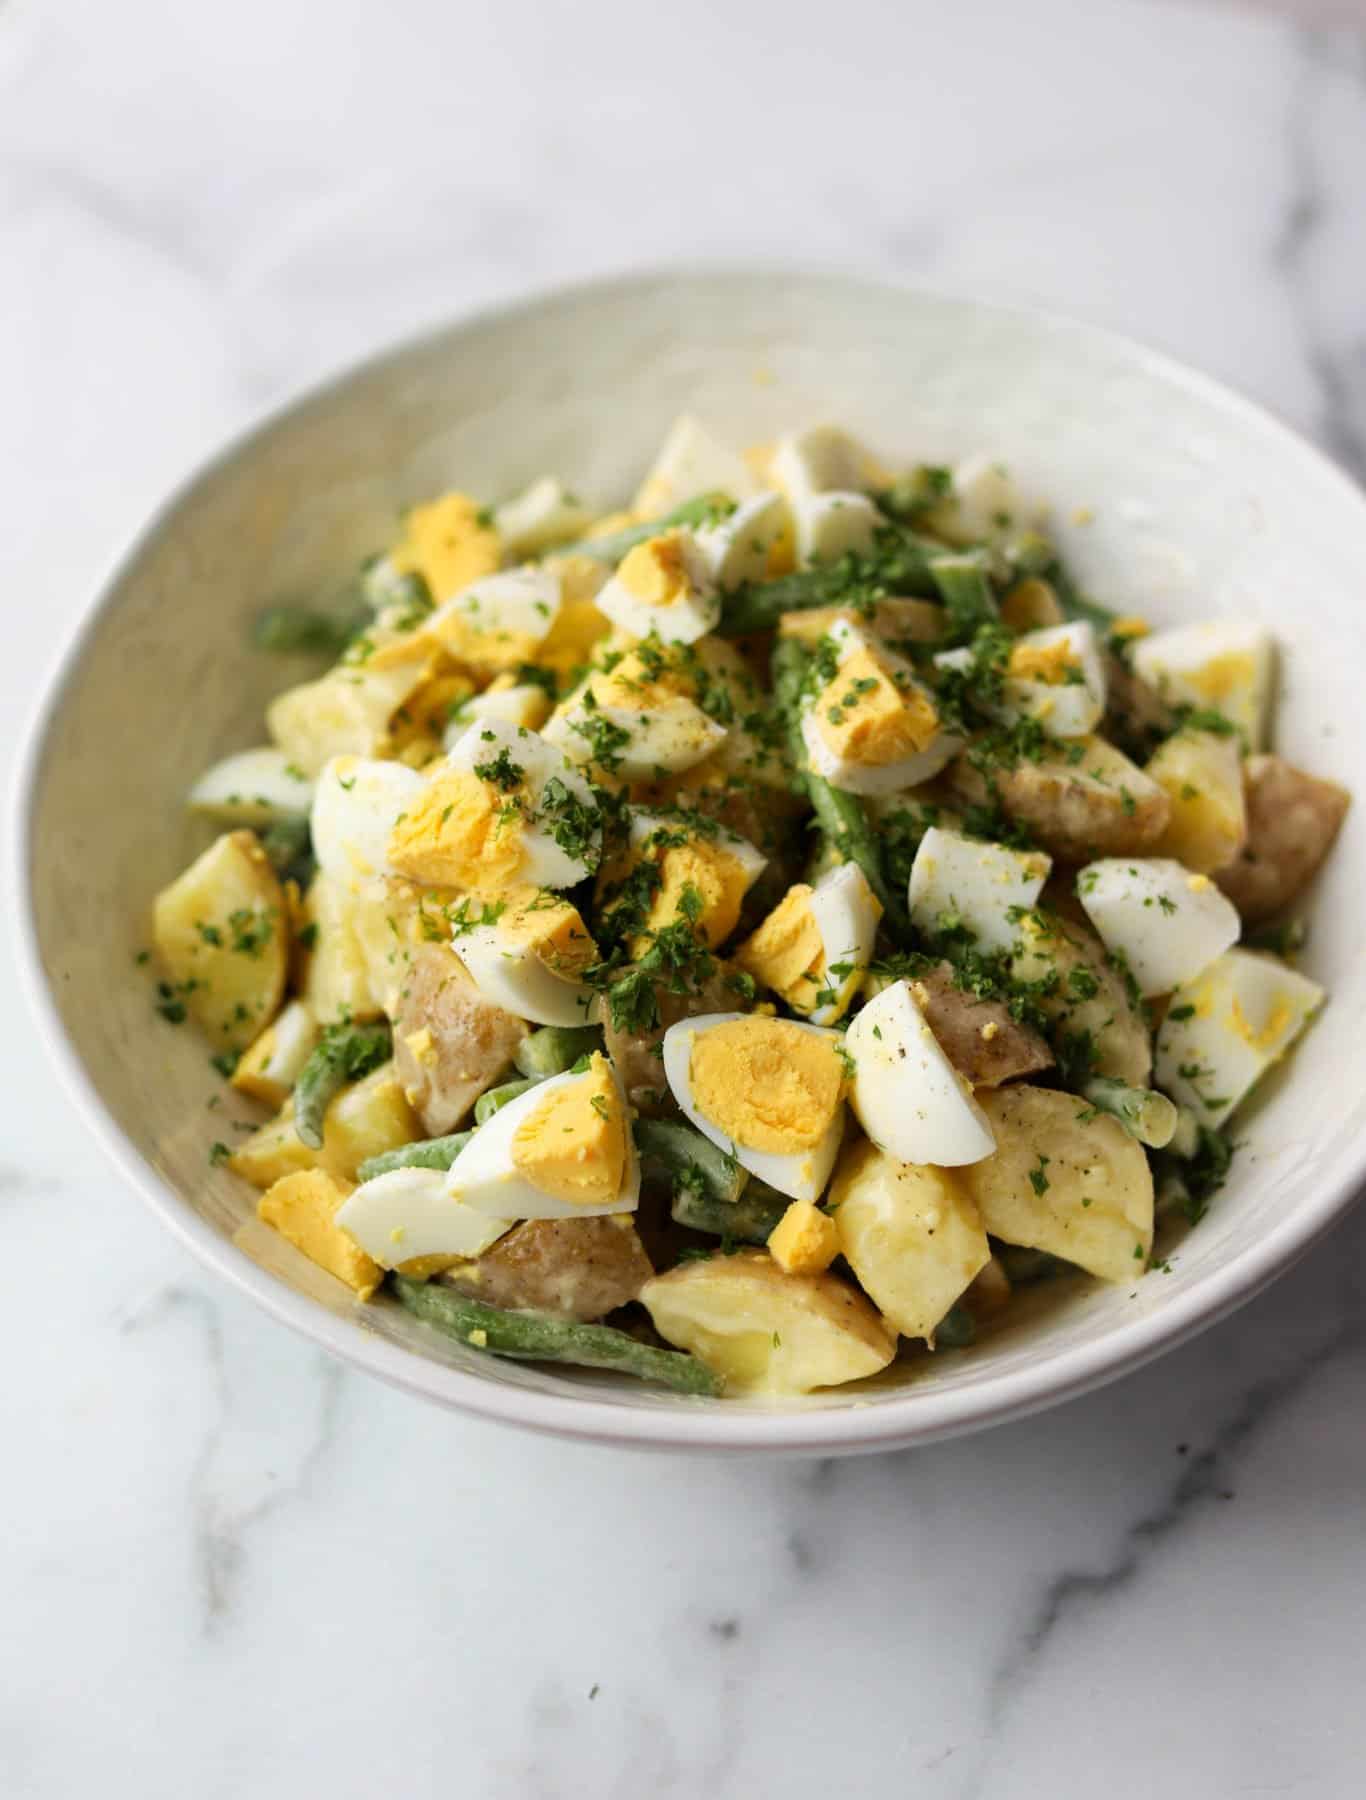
(696, 611)
(409, 1212)
(820, 459)
(1166, 922)
(522, 703)
(521, 602)
(356, 804)
(980, 882)
(545, 863)
(253, 787)
(869, 778)
(829, 525)
(906, 1093)
(512, 976)
(1181, 662)
(691, 461)
(846, 912)
(737, 549)
(543, 514)
(671, 737)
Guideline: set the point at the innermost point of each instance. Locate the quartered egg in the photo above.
(768, 1091)
(410, 1213)
(545, 513)
(502, 809)
(562, 1150)
(1226, 664)
(515, 702)
(829, 525)
(739, 547)
(984, 503)
(702, 877)
(1164, 921)
(497, 622)
(820, 460)
(873, 727)
(253, 787)
(1227, 1027)
(691, 461)
(964, 881)
(907, 1095)
(1054, 675)
(814, 948)
(356, 805)
(635, 720)
(664, 586)
(531, 958)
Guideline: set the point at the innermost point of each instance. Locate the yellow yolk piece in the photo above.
(767, 1083)
(1223, 677)
(719, 879)
(550, 928)
(573, 1146)
(1278, 1022)
(655, 572)
(639, 685)
(300, 1207)
(462, 832)
(866, 718)
(578, 626)
(787, 953)
(446, 544)
(1051, 664)
(806, 1241)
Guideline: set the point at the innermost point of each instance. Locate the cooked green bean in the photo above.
(1024, 1266)
(1143, 1112)
(344, 1053)
(751, 1219)
(690, 1159)
(899, 566)
(298, 630)
(555, 1048)
(433, 1153)
(965, 588)
(956, 1330)
(703, 510)
(288, 843)
(541, 1337)
(494, 1099)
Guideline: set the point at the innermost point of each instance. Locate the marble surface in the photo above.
(229, 1567)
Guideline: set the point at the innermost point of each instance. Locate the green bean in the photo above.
(704, 510)
(555, 1048)
(965, 588)
(1030, 553)
(296, 630)
(344, 1053)
(900, 566)
(1023, 1266)
(690, 1159)
(916, 493)
(542, 1337)
(1143, 1112)
(956, 1330)
(494, 1099)
(288, 843)
(840, 815)
(432, 1153)
(752, 1219)
(1281, 940)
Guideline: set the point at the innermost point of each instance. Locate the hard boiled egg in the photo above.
(738, 548)
(702, 878)
(1226, 1028)
(957, 879)
(664, 586)
(908, 1096)
(1227, 664)
(814, 948)
(498, 621)
(635, 720)
(821, 459)
(543, 514)
(873, 727)
(768, 1091)
(984, 503)
(530, 959)
(692, 461)
(410, 1213)
(503, 809)
(829, 525)
(562, 1150)
(253, 787)
(1164, 921)
(357, 803)
(515, 702)
(1054, 675)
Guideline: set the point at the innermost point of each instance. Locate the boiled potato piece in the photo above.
(347, 712)
(1292, 820)
(366, 1119)
(1099, 804)
(910, 1233)
(1031, 605)
(1202, 776)
(1065, 1179)
(220, 933)
(575, 1268)
(1086, 1000)
(767, 1332)
(450, 1043)
(337, 982)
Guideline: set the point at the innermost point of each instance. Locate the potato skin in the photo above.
(1007, 1051)
(450, 1043)
(575, 1268)
(1089, 997)
(221, 931)
(635, 1055)
(1100, 805)
(1292, 822)
(1065, 1179)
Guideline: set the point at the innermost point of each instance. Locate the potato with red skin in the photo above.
(574, 1268)
(450, 1043)
(1292, 821)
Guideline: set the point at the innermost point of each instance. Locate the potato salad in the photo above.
(740, 941)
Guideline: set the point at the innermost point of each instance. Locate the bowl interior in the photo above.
(1200, 504)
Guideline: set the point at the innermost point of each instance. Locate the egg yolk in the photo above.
(1222, 677)
(1266, 1038)
(1052, 664)
(573, 1146)
(787, 953)
(578, 626)
(708, 871)
(461, 832)
(655, 572)
(866, 718)
(446, 544)
(549, 929)
(767, 1083)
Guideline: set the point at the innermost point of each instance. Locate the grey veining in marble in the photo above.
(231, 1568)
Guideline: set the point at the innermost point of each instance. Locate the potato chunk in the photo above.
(1065, 1179)
(220, 932)
(767, 1332)
(1101, 804)
(910, 1233)
(365, 1119)
(575, 1268)
(337, 979)
(1202, 775)
(1083, 997)
(347, 711)
(301, 1208)
(1292, 820)
(450, 1043)
(979, 1037)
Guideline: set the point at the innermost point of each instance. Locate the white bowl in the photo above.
(1201, 504)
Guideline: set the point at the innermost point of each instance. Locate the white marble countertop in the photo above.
(231, 1568)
